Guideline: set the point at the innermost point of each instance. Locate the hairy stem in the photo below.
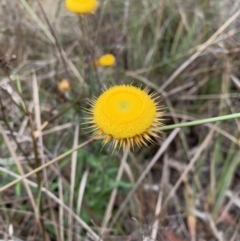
(199, 122)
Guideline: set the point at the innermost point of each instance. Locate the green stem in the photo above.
(199, 122)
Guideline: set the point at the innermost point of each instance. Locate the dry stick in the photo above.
(161, 150)
(20, 169)
(200, 50)
(24, 123)
(40, 142)
(37, 160)
(41, 148)
(45, 165)
(214, 229)
(108, 212)
(73, 176)
(81, 190)
(189, 167)
(61, 211)
(57, 200)
(159, 201)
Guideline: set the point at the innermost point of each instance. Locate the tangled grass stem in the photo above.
(199, 122)
(36, 170)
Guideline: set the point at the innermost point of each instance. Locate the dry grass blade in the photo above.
(57, 128)
(214, 229)
(160, 196)
(61, 210)
(40, 150)
(108, 211)
(73, 177)
(19, 166)
(44, 166)
(81, 191)
(199, 51)
(189, 166)
(161, 150)
(57, 200)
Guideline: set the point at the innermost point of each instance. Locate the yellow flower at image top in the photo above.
(126, 115)
(82, 6)
(106, 60)
(64, 86)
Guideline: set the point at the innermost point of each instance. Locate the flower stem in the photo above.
(199, 122)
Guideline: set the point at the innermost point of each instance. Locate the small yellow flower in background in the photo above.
(126, 115)
(106, 60)
(82, 6)
(64, 86)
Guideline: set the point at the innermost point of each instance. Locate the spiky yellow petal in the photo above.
(126, 115)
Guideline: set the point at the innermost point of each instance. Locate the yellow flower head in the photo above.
(64, 86)
(82, 6)
(126, 115)
(106, 60)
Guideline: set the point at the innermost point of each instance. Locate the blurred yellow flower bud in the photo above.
(82, 6)
(64, 86)
(106, 60)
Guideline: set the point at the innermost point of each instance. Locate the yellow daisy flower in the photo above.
(64, 86)
(106, 60)
(82, 6)
(126, 115)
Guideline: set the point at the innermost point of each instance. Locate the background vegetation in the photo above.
(183, 187)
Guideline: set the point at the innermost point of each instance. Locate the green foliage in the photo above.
(101, 182)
